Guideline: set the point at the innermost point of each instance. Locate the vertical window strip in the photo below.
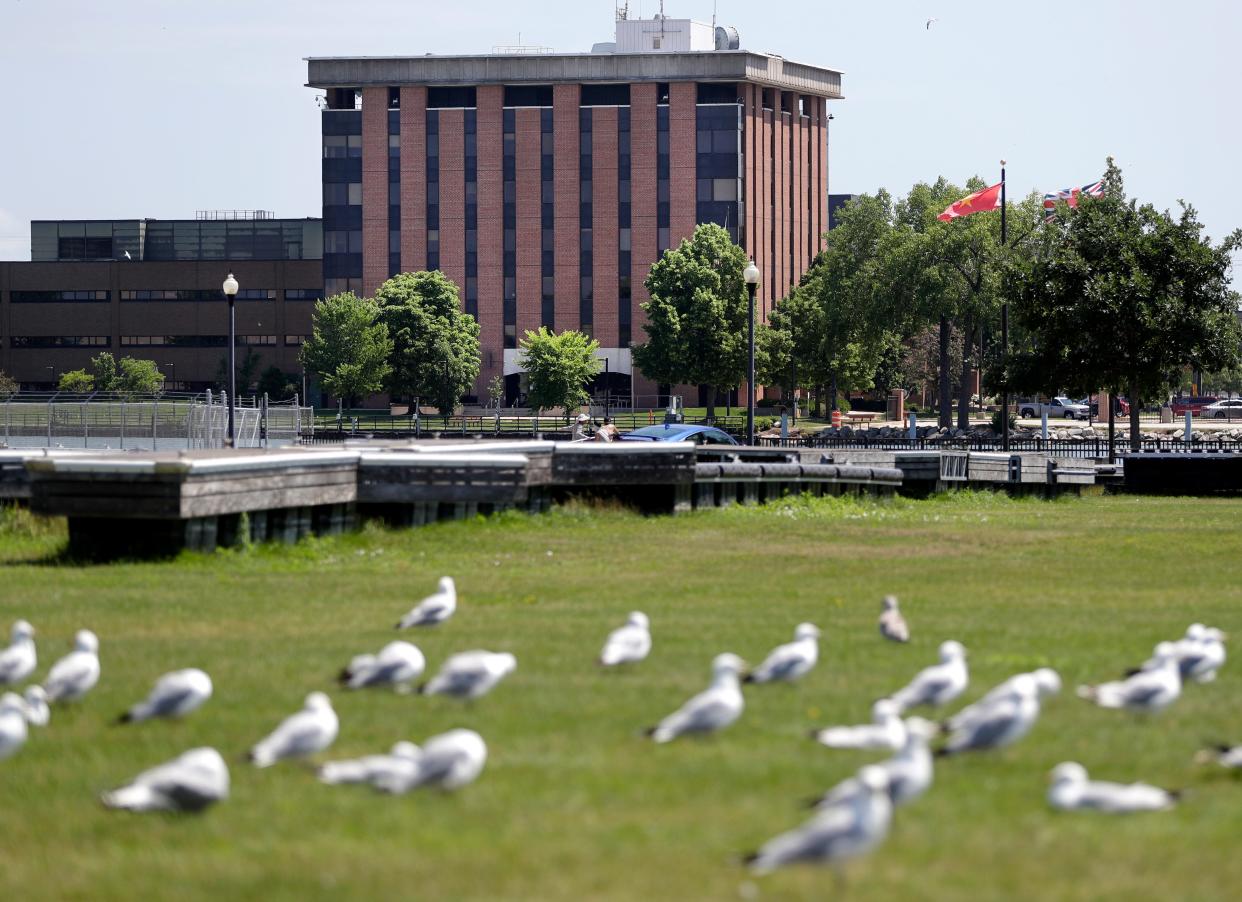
(663, 216)
(547, 247)
(509, 214)
(394, 190)
(625, 242)
(471, 288)
(433, 190)
(586, 294)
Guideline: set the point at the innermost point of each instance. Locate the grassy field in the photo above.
(574, 804)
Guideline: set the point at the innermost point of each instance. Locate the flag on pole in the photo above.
(1070, 196)
(987, 199)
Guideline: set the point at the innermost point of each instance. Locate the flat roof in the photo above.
(545, 68)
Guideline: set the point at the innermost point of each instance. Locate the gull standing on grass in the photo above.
(938, 684)
(1225, 755)
(13, 730)
(910, 771)
(434, 609)
(470, 674)
(19, 660)
(76, 673)
(311, 730)
(628, 644)
(791, 661)
(38, 714)
(1047, 683)
(1202, 663)
(886, 731)
(1072, 791)
(1001, 723)
(191, 782)
(175, 694)
(892, 625)
(835, 834)
(371, 768)
(1147, 691)
(398, 664)
(717, 706)
(449, 761)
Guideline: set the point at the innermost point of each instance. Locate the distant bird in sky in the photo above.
(790, 661)
(398, 664)
(470, 674)
(76, 673)
(628, 644)
(449, 761)
(310, 730)
(191, 782)
(717, 706)
(19, 660)
(1071, 790)
(929, 24)
(886, 731)
(892, 624)
(175, 694)
(127, 256)
(434, 609)
(938, 684)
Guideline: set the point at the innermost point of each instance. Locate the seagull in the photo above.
(19, 660)
(190, 782)
(834, 834)
(892, 624)
(929, 24)
(76, 673)
(175, 694)
(311, 730)
(628, 644)
(1001, 723)
(909, 772)
(127, 256)
(1210, 657)
(1224, 755)
(939, 684)
(398, 664)
(791, 661)
(12, 724)
(886, 731)
(470, 674)
(1047, 683)
(1072, 791)
(713, 709)
(371, 768)
(37, 712)
(449, 761)
(434, 609)
(1145, 692)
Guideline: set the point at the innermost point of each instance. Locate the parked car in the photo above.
(680, 432)
(1060, 406)
(1122, 408)
(1193, 404)
(1228, 409)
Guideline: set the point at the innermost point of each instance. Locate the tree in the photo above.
(558, 367)
(76, 381)
(435, 351)
(8, 385)
(277, 384)
(132, 376)
(138, 377)
(1123, 297)
(697, 315)
(349, 349)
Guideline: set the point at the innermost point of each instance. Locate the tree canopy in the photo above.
(349, 348)
(558, 366)
(132, 376)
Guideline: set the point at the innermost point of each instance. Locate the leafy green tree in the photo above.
(277, 384)
(105, 369)
(132, 376)
(138, 377)
(697, 315)
(435, 351)
(1123, 297)
(8, 385)
(349, 349)
(558, 367)
(79, 381)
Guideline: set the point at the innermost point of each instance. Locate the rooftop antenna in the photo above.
(623, 11)
(713, 16)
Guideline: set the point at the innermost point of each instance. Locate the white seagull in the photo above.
(1225, 755)
(76, 673)
(1072, 791)
(38, 714)
(434, 609)
(19, 660)
(939, 684)
(1047, 683)
(191, 782)
(1003, 722)
(1147, 691)
(371, 768)
(790, 661)
(449, 761)
(311, 730)
(398, 664)
(1201, 664)
(834, 834)
(628, 644)
(470, 674)
(886, 731)
(713, 709)
(910, 771)
(892, 625)
(13, 730)
(175, 694)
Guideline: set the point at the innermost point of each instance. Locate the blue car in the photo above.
(679, 432)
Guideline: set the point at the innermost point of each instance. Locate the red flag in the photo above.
(987, 199)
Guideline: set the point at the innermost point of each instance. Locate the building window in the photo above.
(46, 297)
(509, 223)
(717, 161)
(433, 190)
(394, 182)
(294, 341)
(547, 244)
(623, 228)
(586, 258)
(342, 147)
(303, 294)
(59, 341)
(528, 95)
(471, 166)
(662, 170)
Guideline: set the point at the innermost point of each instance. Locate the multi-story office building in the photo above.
(151, 288)
(545, 185)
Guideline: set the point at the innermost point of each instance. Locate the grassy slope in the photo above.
(573, 804)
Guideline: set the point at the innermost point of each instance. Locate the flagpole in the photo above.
(1004, 333)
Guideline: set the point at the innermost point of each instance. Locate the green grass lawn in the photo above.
(574, 804)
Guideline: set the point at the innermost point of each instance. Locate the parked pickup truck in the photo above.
(1059, 406)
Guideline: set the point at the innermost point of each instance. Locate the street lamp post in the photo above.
(751, 274)
(230, 292)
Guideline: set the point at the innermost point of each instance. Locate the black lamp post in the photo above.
(751, 275)
(230, 292)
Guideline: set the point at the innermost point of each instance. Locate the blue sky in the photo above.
(163, 107)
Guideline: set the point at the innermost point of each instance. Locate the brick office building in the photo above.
(545, 185)
(151, 289)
